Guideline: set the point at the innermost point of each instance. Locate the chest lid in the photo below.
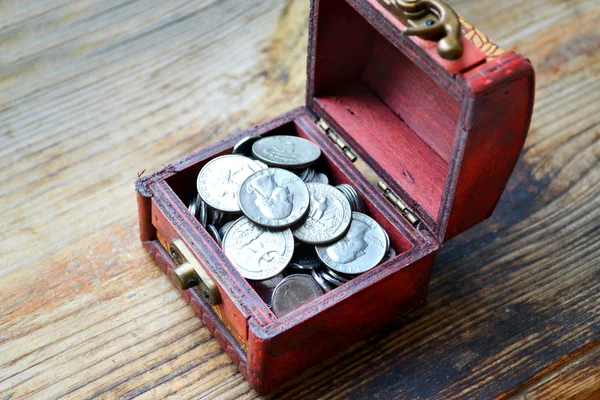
(442, 128)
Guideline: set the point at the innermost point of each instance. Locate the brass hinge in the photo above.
(398, 203)
(335, 138)
(410, 216)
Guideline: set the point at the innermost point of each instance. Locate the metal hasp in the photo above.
(190, 273)
(430, 20)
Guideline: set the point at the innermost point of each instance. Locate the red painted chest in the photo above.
(428, 143)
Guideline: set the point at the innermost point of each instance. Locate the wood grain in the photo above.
(95, 92)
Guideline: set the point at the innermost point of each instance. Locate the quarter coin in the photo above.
(329, 215)
(244, 146)
(286, 151)
(310, 175)
(303, 173)
(274, 198)
(225, 228)
(256, 252)
(322, 178)
(220, 179)
(387, 241)
(215, 217)
(360, 249)
(201, 211)
(330, 278)
(336, 275)
(391, 253)
(194, 204)
(352, 195)
(214, 233)
(293, 292)
(325, 286)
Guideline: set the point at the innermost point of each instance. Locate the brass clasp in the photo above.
(190, 273)
(430, 20)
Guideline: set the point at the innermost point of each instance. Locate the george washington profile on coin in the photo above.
(352, 246)
(361, 248)
(272, 200)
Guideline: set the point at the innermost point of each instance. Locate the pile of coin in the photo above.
(287, 231)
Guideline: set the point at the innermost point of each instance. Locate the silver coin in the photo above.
(244, 146)
(225, 228)
(214, 217)
(202, 212)
(294, 291)
(391, 253)
(326, 286)
(193, 206)
(214, 233)
(310, 176)
(328, 218)
(266, 288)
(274, 198)
(219, 181)
(303, 173)
(286, 151)
(387, 241)
(353, 197)
(256, 252)
(360, 249)
(322, 178)
(336, 275)
(330, 278)
(343, 190)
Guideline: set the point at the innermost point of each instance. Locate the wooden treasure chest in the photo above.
(414, 109)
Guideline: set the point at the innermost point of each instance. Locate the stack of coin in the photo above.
(283, 227)
(309, 175)
(328, 279)
(353, 198)
(198, 209)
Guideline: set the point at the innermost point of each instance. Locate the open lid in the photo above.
(408, 112)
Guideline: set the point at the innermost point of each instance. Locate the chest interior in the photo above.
(394, 112)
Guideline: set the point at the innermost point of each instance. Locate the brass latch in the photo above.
(430, 20)
(335, 138)
(408, 214)
(190, 273)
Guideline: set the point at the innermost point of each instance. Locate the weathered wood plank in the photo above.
(94, 92)
(575, 377)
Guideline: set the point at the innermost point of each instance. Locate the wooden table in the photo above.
(95, 93)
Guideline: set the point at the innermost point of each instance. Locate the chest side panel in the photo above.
(292, 347)
(497, 119)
